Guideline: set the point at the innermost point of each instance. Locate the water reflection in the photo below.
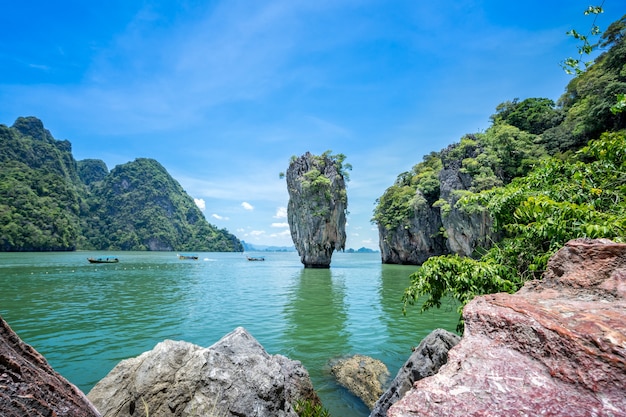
(414, 326)
(315, 314)
(317, 330)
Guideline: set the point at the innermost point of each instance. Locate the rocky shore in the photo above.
(555, 348)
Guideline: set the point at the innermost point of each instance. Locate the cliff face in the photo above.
(556, 347)
(464, 232)
(317, 208)
(415, 242)
(440, 228)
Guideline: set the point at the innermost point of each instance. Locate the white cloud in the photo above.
(281, 213)
(257, 232)
(281, 234)
(247, 206)
(280, 225)
(218, 217)
(200, 203)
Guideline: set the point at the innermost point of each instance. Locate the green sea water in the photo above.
(85, 318)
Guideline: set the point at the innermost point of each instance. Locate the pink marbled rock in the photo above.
(555, 348)
(30, 387)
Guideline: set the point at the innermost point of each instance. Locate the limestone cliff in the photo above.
(464, 231)
(434, 225)
(317, 207)
(415, 240)
(51, 202)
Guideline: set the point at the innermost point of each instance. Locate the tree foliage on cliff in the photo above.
(577, 192)
(558, 201)
(40, 203)
(48, 201)
(139, 206)
(400, 201)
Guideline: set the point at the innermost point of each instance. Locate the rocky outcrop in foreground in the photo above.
(233, 377)
(361, 375)
(30, 387)
(317, 206)
(426, 359)
(555, 348)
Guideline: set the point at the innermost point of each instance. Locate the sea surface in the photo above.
(85, 318)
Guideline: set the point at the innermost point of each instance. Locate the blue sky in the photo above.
(223, 93)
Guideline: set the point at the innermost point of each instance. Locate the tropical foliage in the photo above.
(545, 173)
(558, 201)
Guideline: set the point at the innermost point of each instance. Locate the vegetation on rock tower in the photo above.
(317, 206)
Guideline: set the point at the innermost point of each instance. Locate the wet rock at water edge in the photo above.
(361, 375)
(233, 377)
(30, 387)
(426, 359)
(555, 348)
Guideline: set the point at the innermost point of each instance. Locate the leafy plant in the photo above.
(306, 408)
(577, 65)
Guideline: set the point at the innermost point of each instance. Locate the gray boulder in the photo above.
(233, 377)
(425, 361)
(361, 375)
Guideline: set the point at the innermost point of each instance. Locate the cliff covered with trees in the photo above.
(543, 174)
(426, 213)
(51, 202)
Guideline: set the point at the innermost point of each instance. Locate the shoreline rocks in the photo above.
(555, 348)
(362, 375)
(233, 377)
(30, 387)
(426, 359)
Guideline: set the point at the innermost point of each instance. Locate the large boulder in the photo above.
(233, 377)
(316, 211)
(30, 387)
(426, 359)
(555, 348)
(361, 375)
